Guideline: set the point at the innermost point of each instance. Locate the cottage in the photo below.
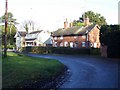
(20, 39)
(77, 36)
(34, 38)
(37, 38)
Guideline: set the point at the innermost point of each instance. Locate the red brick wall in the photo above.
(93, 37)
(74, 39)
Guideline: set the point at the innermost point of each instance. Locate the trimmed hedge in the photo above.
(110, 36)
(113, 50)
(61, 50)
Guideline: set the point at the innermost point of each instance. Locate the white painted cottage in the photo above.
(35, 38)
(20, 39)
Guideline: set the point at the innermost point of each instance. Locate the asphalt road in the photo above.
(87, 71)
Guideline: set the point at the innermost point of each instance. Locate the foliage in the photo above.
(20, 70)
(11, 29)
(110, 36)
(113, 44)
(77, 23)
(10, 34)
(9, 46)
(95, 18)
(104, 30)
(61, 50)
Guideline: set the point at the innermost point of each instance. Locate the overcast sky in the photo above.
(50, 14)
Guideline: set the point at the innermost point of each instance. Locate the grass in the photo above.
(19, 70)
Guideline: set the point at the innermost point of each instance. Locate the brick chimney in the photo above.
(66, 24)
(86, 21)
(71, 24)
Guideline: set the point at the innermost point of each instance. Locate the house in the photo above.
(37, 38)
(34, 38)
(77, 36)
(20, 39)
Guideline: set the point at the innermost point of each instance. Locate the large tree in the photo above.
(95, 18)
(11, 28)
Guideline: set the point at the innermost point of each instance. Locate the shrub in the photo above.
(113, 50)
(95, 51)
(56, 50)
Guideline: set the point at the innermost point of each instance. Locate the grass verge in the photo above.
(20, 70)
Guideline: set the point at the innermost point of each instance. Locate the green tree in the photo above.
(95, 18)
(11, 28)
(78, 23)
(109, 36)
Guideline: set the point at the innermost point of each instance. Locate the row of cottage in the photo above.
(70, 36)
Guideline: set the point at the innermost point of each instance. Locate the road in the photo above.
(87, 71)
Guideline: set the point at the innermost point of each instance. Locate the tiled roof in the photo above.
(22, 33)
(75, 30)
(30, 39)
(35, 32)
(48, 41)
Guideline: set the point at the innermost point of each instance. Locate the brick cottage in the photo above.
(77, 36)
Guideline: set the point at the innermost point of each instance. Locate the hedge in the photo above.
(110, 36)
(113, 50)
(61, 50)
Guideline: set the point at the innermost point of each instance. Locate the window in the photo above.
(71, 44)
(91, 44)
(95, 45)
(55, 44)
(66, 44)
(76, 44)
(61, 37)
(75, 36)
(55, 38)
(84, 36)
(61, 44)
(83, 44)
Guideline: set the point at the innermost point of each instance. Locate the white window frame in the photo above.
(83, 44)
(55, 38)
(71, 44)
(61, 37)
(66, 44)
(84, 36)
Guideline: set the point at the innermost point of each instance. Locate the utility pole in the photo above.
(5, 34)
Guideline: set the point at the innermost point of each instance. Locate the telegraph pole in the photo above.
(5, 34)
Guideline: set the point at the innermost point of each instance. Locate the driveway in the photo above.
(87, 71)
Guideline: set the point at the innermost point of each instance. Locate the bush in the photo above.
(95, 51)
(61, 50)
(113, 50)
(9, 46)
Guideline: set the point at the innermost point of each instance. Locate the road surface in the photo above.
(87, 71)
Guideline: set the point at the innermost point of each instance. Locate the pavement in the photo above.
(88, 71)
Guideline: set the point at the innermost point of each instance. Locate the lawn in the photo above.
(19, 70)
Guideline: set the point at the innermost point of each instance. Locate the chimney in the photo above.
(71, 24)
(86, 21)
(66, 24)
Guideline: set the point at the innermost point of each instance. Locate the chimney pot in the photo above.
(66, 24)
(86, 21)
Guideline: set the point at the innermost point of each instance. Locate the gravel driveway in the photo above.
(87, 71)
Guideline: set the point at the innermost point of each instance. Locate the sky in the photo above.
(50, 14)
